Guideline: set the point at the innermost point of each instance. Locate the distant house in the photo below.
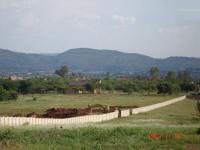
(77, 87)
(80, 87)
(14, 78)
(98, 81)
(79, 83)
(98, 89)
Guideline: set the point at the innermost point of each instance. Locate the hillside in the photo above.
(91, 60)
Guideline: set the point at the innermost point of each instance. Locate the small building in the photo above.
(79, 83)
(15, 78)
(97, 91)
(79, 87)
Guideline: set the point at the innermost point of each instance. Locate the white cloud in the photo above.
(189, 10)
(91, 16)
(29, 22)
(174, 29)
(124, 20)
(87, 21)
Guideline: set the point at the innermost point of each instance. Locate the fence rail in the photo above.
(17, 121)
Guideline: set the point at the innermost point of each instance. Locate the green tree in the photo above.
(167, 88)
(13, 95)
(9, 85)
(25, 87)
(3, 94)
(184, 76)
(188, 86)
(108, 85)
(89, 86)
(129, 87)
(150, 87)
(62, 72)
(171, 76)
(108, 76)
(155, 73)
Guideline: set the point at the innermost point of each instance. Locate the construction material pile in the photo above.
(74, 112)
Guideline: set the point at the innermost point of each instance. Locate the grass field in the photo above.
(177, 125)
(25, 104)
(99, 138)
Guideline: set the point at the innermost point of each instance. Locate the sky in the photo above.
(158, 28)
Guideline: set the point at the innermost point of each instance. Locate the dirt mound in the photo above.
(65, 112)
(74, 112)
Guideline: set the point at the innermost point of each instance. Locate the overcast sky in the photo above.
(158, 28)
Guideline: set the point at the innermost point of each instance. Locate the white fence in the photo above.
(17, 121)
(125, 113)
(156, 106)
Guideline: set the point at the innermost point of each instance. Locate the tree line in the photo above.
(170, 84)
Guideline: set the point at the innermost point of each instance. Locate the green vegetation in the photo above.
(39, 103)
(168, 88)
(7, 95)
(176, 127)
(155, 73)
(40, 94)
(99, 138)
(170, 84)
(62, 72)
(198, 106)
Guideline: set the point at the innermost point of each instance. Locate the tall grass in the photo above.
(96, 138)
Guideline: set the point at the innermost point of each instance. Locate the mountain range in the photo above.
(91, 60)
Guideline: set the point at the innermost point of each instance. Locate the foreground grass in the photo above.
(181, 113)
(25, 104)
(117, 134)
(99, 138)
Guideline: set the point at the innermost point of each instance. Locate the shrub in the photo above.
(13, 95)
(3, 94)
(61, 90)
(129, 87)
(198, 131)
(89, 87)
(167, 88)
(188, 86)
(25, 86)
(198, 106)
(34, 98)
(6, 95)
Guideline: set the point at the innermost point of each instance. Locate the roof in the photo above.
(78, 83)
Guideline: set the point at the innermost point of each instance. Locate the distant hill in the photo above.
(91, 60)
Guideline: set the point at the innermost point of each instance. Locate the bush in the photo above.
(34, 98)
(61, 90)
(13, 95)
(6, 95)
(129, 87)
(25, 86)
(3, 94)
(167, 88)
(198, 131)
(198, 106)
(188, 86)
(9, 85)
(89, 87)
